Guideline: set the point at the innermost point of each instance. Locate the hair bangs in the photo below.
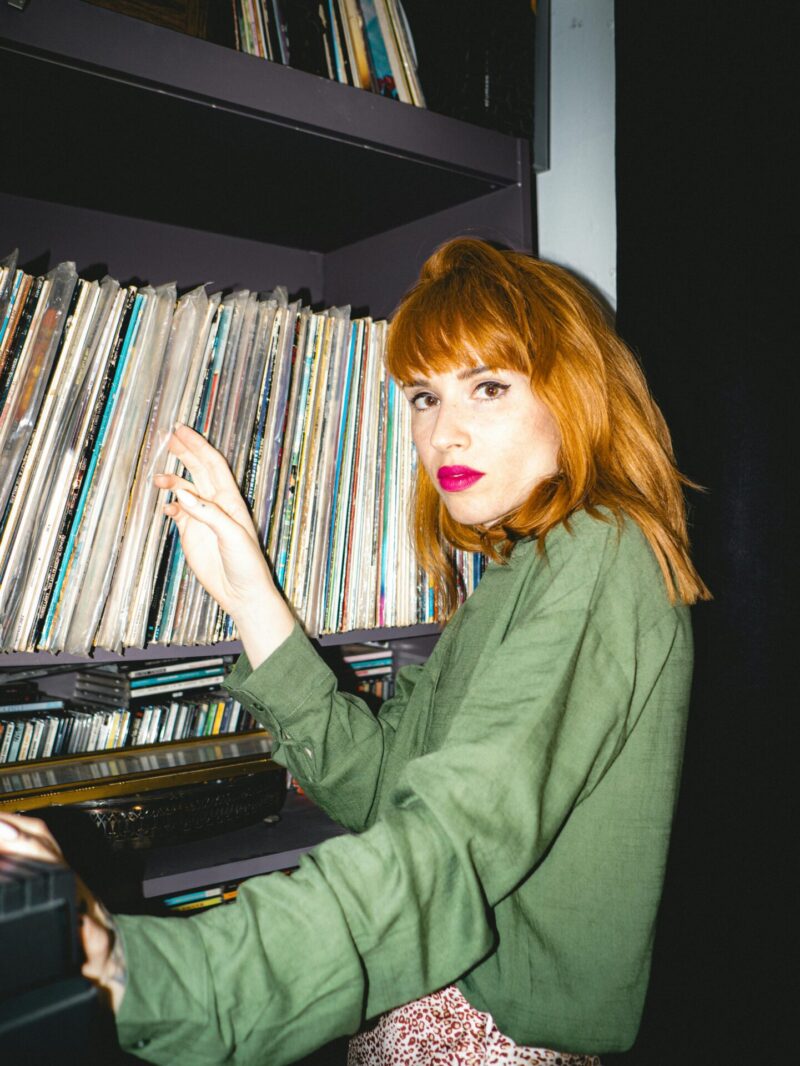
(441, 326)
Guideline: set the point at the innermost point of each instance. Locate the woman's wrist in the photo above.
(104, 963)
(263, 626)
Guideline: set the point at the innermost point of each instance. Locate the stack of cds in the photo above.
(94, 375)
(113, 706)
(373, 668)
(104, 687)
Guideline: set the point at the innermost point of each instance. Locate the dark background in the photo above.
(708, 297)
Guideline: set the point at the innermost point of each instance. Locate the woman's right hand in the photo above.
(221, 545)
(23, 837)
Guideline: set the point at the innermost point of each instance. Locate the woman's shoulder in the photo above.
(596, 540)
(600, 558)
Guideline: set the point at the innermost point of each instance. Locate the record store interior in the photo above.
(209, 214)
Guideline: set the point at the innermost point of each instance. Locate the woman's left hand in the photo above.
(221, 545)
(22, 837)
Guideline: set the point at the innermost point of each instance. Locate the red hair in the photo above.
(477, 305)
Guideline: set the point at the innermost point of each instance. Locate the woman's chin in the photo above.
(468, 513)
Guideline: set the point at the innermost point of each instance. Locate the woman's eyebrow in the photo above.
(473, 371)
(463, 375)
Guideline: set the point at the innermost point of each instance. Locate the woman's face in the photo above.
(484, 439)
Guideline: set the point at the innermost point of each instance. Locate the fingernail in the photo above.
(188, 500)
(8, 832)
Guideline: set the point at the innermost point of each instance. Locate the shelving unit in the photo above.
(151, 155)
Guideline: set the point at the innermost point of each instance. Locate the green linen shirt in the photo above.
(511, 807)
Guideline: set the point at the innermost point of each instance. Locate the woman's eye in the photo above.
(423, 401)
(491, 390)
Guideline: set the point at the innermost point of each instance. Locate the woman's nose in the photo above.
(449, 430)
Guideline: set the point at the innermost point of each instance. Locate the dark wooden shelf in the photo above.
(238, 854)
(115, 114)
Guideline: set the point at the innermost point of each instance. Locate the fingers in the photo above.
(28, 838)
(173, 482)
(228, 500)
(206, 512)
(200, 458)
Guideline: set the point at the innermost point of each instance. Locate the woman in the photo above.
(512, 803)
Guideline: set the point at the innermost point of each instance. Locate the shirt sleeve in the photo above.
(331, 741)
(376, 920)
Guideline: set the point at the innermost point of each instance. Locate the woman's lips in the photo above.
(457, 478)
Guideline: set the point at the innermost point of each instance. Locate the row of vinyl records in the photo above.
(94, 375)
(366, 43)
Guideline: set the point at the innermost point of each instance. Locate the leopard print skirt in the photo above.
(444, 1030)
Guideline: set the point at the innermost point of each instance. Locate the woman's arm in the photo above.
(339, 733)
(331, 741)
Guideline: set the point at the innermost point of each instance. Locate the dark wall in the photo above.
(708, 297)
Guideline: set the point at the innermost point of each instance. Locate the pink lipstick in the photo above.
(457, 478)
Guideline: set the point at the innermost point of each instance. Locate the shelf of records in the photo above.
(365, 43)
(94, 375)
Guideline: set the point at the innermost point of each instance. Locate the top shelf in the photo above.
(123, 116)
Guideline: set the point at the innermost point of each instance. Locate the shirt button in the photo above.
(141, 1043)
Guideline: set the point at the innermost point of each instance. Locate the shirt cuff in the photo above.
(164, 1015)
(285, 687)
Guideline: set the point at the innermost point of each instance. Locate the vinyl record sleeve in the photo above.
(339, 53)
(351, 546)
(16, 304)
(115, 471)
(31, 290)
(348, 480)
(348, 365)
(361, 65)
(193, 599)
(17, 497)
(74, 558)
(110, 348)
(32, 374)
(9, 279)
(301, 366)
(405, 48)
(27, 390)
(172, 560)
(264, 369)
(275, 429)
(134, 564)
(245, 403)
(45, 479)
(193, 322)
(81, 415)
(297, 455)
(308, 486)
(385, 75)
(326, 476)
